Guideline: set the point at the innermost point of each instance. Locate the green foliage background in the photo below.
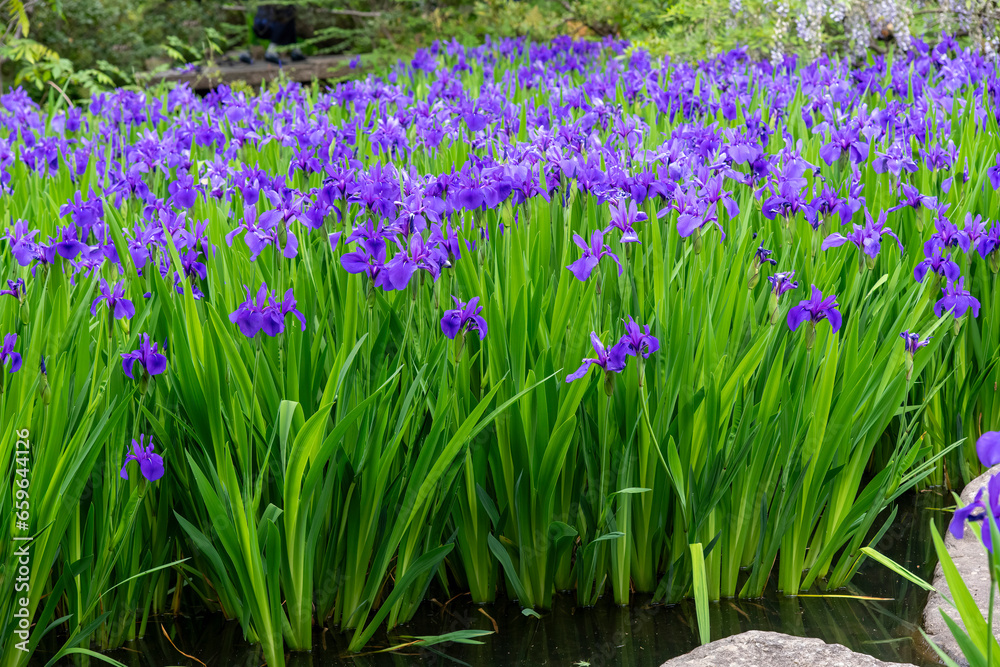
(90, 44)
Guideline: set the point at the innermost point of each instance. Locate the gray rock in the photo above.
(773, 649)
(970, 560)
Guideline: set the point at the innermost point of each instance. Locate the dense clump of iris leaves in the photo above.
(369, 299)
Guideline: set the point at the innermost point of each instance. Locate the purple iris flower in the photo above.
(868, 239)
(948, 235)
(592, 254)
(464, 316)
(334, 240)
(985, 504)
(782, 282)
(444, 238)
(265, 313)
(987, 500)
(183, 191)
(22, 243)
(637, 341)
(7, 353)
(786, 190)
(623, 217)
(84, 213)
(939, 264)
(975, 229)
(366, 259)
(16, 289)
(150, 464)
(249, 315)
(815, 309)
(989, 242)
(148, 357)
(763, 256)
(262, 231)
(612, 359)
(760, 257)
(419, 255)
(117, 303)
(897, 159)
(69, 246)
(693, 213)
(993, 173)
(956, 299)
(284, 308)
(988, 448)
(910, 196)
(913, 342)
(845, 140)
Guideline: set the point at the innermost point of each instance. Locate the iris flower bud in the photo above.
(810, 336)
(609, 383)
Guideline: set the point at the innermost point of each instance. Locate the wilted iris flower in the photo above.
(7, 353)
(781, 282)
(150, 464)
(592, 254)
(115, 298)
(912, 343)
(148, 357)
(761, 256)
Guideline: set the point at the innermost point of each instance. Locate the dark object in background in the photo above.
(275, 23)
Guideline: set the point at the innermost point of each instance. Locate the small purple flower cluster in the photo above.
(637, 341)
(265, 313)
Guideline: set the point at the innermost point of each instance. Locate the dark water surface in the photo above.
(641, 635)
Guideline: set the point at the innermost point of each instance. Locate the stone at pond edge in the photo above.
(773, 649)
(970, 560)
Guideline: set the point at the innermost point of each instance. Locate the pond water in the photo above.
(641, 635)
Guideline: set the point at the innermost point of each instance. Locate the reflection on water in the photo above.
(637, 636)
